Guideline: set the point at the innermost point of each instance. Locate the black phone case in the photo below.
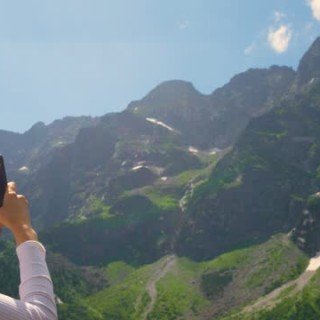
(3, 180)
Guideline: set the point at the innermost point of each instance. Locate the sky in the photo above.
(90, 57)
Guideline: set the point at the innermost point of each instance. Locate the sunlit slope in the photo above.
(139, 228)
(261, 187)
(178, 288)
(296, 300)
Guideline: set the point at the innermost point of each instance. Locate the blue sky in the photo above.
(91, 57)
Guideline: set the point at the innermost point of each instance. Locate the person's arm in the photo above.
(37, 300)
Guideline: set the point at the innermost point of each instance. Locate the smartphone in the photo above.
(3, 180)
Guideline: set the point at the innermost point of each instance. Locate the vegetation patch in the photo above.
(162, 200)
(213, 283)
(125, 300)
(175, 298)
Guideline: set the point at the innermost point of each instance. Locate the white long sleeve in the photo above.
(37, 301)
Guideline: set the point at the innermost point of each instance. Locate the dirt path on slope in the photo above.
(298, 284)
(167, 265)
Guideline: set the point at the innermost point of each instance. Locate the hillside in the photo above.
(140, 227)
(183, 205)
(297, 299)
(269, 175)
(216, 119)
(60, 165)
(185, 289)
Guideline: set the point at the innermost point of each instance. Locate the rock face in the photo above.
(257, 189)
(136, 185)
(215, 120)
(60, 164)
(306, 234)
(309, 67)
(100, 162)
(179, 105)
(32, 148)
(261, 187)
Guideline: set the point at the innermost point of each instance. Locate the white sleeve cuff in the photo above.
(32, 259)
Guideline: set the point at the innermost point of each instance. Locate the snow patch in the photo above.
(160, 123)
(193, 150)
(312, 81)
(24, 169)
(137, 168)
(317, 195)
(215, 150)
(139, 165)
(314, 263)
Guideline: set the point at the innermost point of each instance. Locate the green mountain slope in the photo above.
(262, 185)
(179, 288)
(296, 300)
(303, 305)
(182, 206)
(60, 165)
(139, 228)
(267, 183)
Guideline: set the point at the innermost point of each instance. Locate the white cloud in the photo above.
(278, 16)
(279, 38)
(315, 7)
(248, 50)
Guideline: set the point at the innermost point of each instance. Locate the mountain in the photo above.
(62, 165)
(183, 205)
(136, 151)
(216, 119)
(269, 175)
(309, 67)
(24, 152)
(266, 183)
(120, 153)
(190, 290)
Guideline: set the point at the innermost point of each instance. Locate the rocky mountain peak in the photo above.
(38, 125)
(309, 67)
(255, 76)
(168, 93)
(174, 86)
(37, 131)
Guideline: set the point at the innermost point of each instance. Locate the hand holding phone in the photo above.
(15, 215)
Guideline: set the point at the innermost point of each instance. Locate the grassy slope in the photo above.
(166, 194)
(193, 290)
(125, 299)
(189, 290)
(138, 228)
(302, 305)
